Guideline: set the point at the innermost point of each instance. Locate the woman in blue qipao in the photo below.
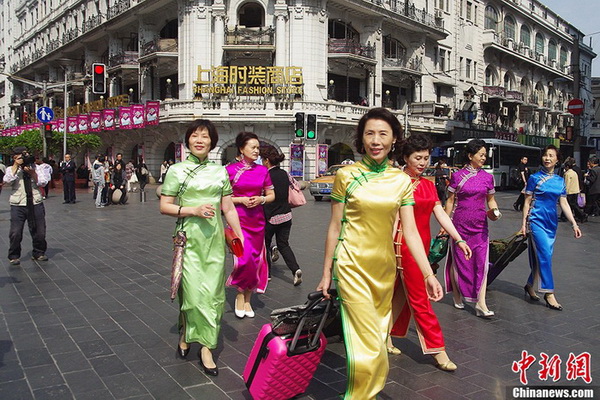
(544, 189)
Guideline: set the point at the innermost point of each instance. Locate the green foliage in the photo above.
(32, 140)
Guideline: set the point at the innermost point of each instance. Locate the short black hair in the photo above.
(550, 147)
(242, 138)
(385, 115)
(593, 160)
(199, 124)
(273, 155)
(414, 143)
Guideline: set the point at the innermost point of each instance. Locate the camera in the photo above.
(28, 159)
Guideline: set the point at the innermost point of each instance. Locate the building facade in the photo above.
(449, 68)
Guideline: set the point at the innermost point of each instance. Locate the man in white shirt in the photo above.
(26, 204)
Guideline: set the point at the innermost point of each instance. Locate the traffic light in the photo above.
(98, 78)
(48, 131)
(300, 126)
(311, 127)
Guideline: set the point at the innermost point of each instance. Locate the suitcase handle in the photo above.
(314, 299)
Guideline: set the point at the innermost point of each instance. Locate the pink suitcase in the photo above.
(281, 367)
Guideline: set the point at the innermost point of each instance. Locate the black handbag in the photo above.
(285, 321)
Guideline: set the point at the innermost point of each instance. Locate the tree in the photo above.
(32, 140)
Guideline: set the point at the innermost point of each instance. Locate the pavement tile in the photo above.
(109, 365)
(187, 374)
(60, 345)
(43, 376)
(208, 391)
(72, 362)
(60, 392)
(124, 386)
(165, 388)
(15, 390)
(84, 382)
(34, 357)
(95, 348)
(98, 394)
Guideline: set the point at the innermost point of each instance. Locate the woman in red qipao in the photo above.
(410, 297)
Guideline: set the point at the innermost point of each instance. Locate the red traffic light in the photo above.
(98, 68)
(47, 127)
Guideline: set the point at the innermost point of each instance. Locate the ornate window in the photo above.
(539, 43)
(509, 28)
(491, 18)
(563, 57)
(392, 48)
(525, 36)
(251, 15)
(552, 50)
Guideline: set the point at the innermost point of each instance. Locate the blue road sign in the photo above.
(45, 114)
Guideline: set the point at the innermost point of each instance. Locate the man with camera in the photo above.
(26, 205)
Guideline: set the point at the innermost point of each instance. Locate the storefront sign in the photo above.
(297, 160)
(250, 80)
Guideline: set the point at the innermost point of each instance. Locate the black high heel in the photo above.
(208, 371)
(533, 297)
(552, 306)
(182, 353)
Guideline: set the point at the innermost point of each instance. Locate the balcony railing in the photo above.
(119, 7)
(249, 36)
(36, 55)
(409, 10)
(415, 63)
(162, 45)
(91, 23)
(53, 45)
(350, 47)
(495, 91)
(70, 35)
(123, 58)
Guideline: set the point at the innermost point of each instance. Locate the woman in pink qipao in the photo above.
(252, 188)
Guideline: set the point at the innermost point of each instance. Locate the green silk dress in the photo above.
(202, 289)
(364, 267)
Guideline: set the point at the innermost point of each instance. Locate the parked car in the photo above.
(321, 186)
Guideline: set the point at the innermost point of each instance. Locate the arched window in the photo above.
(552, 50)
(490, 77)
(508, 81)
(563, 57)
(392, 48)
(491, 18)
(341, 30)
(251, 15)
(539, 43)
(509, 28)
(525, 36)
(525, 88)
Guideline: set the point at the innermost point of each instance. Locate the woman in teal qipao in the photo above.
(543, 190)
(202, 190)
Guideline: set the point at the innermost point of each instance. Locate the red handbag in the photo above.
(234, 242)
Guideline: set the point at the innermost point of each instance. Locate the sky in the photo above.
(584, 15)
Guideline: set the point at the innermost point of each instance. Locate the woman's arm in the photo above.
(333, 232)
(415, 245)
(450, 203)
(526, 207)
(168, 207)
(492, 205)
(448, 226)
(231, 216)
(564, 204)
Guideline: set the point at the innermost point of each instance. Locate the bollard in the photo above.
(142, 196)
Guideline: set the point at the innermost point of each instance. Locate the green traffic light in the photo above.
(310, 134)
(299, 133)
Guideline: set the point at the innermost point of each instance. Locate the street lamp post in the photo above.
(65, 104)
(168, 95)
(130, 95)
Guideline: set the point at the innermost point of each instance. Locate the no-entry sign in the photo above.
(575, 106)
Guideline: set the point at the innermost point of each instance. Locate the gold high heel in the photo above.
(393, 350)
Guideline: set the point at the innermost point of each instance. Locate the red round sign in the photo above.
(575, 106)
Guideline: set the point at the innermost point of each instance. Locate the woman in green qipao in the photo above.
(196, 191)
(367, 199)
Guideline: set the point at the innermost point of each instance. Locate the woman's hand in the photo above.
(434, 289)
(441, 232)
(577, 232)
(523, 230)
(466, 250)
(204, 211)
(325, 284)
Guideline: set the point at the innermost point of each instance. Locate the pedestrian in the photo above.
(442, 177)
(26, 204)
(43, 164)
(367, 198)
(130, 176)
(278, 214)
(252, 189)
(544, 189)
(142, 173)
(118, 182)
(163, 171)
(119, 160)
(202, 191)
(98, 179)
(593, 198)
(67, 169)
(573, 190)
(470, 189)
(108, 168)
(410, 296)
(2, 173)
(523, 174)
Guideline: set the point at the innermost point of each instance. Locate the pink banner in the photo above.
(61, 125)
(37, 125)
(72, 125)
(82, 122)
(20, 130)
(95, 121)
(27, 127)
(108, 119)
(137, 119)
(152, 112)
(125, 117)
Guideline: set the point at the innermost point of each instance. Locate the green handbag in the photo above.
(439, 248)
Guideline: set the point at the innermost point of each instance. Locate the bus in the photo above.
(503, 159)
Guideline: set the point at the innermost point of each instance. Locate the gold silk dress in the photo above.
(364, 267)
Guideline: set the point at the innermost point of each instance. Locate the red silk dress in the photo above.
(410, 295)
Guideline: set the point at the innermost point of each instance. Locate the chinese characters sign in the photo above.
(249, 80)
(575, 367)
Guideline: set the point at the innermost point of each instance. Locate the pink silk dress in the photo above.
(251, 271)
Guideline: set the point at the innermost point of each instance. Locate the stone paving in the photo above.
(96, 322)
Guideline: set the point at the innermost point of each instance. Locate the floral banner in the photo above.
(125, 117)
(152, 112)
(72, 125)
(137, 112)
(108, 119)
(83, 121)
(95, 121)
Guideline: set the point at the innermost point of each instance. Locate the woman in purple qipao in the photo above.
(252, 188)
(470, 189)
